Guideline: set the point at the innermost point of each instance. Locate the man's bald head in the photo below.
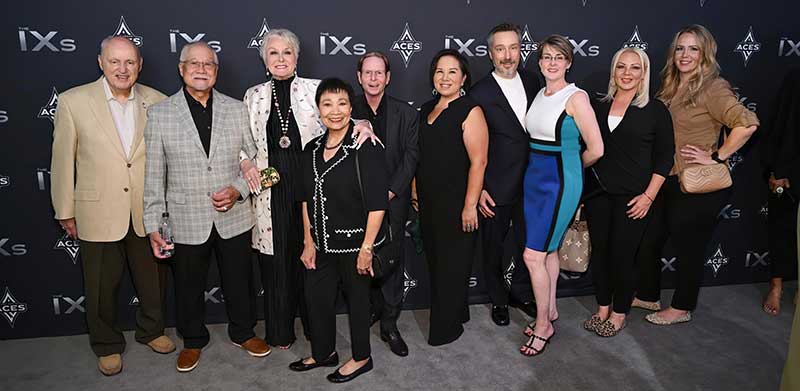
(118, 41)
(121, 63)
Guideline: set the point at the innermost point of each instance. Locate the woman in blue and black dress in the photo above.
(453, 144)
(559, 117)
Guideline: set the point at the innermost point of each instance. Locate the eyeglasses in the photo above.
(200, 64)
(556, 58)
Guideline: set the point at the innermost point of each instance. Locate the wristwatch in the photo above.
(715, 157)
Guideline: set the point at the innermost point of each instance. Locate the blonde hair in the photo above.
(642, 97)
(707, 71)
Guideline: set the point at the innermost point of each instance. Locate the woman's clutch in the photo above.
(269, 177)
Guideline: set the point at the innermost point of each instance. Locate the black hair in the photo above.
(333, 84)
(462, 63)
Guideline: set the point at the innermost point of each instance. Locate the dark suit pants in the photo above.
(386, 294)
(103, 267)
(494, 232)
(190, 271)
(321, 289)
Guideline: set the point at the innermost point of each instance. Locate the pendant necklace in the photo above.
(284, 142)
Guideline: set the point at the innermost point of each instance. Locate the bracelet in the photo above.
(367, 248)
(648, 197)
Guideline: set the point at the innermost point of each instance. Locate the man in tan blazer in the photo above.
(97, 185)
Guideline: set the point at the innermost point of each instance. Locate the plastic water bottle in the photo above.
(165, 230)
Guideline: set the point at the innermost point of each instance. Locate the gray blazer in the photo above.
(180, 178)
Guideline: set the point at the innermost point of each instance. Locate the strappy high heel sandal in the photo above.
(529, 345)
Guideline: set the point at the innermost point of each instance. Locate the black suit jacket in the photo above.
(508, 140)
(402, 127)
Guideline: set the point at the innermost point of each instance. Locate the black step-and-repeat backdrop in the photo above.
(51, 46)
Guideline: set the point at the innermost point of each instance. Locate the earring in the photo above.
(434, 92)
(461, 92)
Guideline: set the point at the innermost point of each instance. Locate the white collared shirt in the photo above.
(124, 116)
(515, 94)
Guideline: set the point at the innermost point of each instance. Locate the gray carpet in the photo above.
(730, 345)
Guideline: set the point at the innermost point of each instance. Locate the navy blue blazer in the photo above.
(508, 140)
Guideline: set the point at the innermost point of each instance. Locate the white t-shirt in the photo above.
(515, 94)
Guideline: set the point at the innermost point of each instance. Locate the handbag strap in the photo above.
(364, 199)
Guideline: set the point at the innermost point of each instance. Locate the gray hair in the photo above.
(107, 40)
(185, 50)
(284, 34)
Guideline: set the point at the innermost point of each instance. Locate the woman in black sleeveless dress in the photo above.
(453, 141)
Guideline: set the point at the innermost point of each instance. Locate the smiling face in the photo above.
(553, 63)
(120, 63)
(199, 69)
(687, 53)
(505, 53)
(281, 58)
(448, 77)
(373, 76)
(335, 109)
(628, 71)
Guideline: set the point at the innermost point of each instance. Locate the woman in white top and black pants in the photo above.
(638, 138)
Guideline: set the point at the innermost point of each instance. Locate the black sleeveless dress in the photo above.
(441, 187)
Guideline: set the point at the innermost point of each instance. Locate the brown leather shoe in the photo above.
(162, 345)
(110, 365)
(188, 359)
(255, 347)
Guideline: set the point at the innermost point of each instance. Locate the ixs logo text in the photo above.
(748, 46)
(178, 38)
(11, 308)
(34, 41)
(49, 109)
(788, 48)
(256, 41)
(65, 305)
(125, 31)
(635, 41)
(754, 259)
(10, 249)
(729, 213)
(745, 101)
(406, 45)
(211, 295)
(5, 181)
(3, 116)
(583, 48)
(465, 46)
(43, 178)
(331, 45)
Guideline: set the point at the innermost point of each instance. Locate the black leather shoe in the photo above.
(528, 307)
(500, 315)
(337, 377)
(300, 366)
(396, 343)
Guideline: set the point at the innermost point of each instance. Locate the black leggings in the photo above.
(782, 236)
(615, 239)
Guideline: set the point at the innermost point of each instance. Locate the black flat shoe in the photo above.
(396, 343)
(500, 315)
(300, 366)
(337, 377)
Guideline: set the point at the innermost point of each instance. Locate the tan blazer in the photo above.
(91, 178)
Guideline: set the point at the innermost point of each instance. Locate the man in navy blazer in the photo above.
(396, 123)
(505, 96)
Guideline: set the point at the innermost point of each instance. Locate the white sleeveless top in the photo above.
(543, 115)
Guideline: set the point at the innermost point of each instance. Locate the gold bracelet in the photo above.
(367, 248)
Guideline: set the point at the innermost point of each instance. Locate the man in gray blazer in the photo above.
(193, 141)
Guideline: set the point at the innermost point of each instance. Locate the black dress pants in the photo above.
(386, 294)
(494, 232)
(782, 238)
(103, 268)
(321, 289)
(691, 219)
(190, 271)
(648, 257)
(615, 240)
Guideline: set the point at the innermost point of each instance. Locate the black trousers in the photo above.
(386, 294)
(103, 267)
(321, 289)
(615, 240)
(648, 257)
(691, 219)
(190, 271)
(782, 236)
(494, 232)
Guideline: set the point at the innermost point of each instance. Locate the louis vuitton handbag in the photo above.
(576, 248)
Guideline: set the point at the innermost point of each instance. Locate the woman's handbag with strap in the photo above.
(385, 257)
(701, 179)
(576, 249)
